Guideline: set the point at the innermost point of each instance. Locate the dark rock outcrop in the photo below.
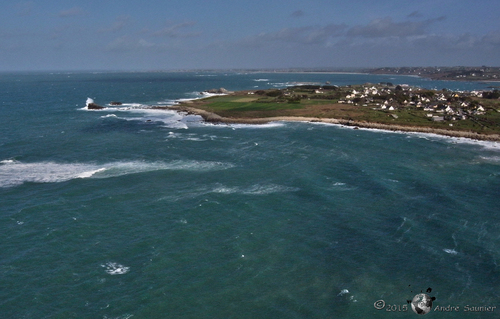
(93, 106)
(217, 91)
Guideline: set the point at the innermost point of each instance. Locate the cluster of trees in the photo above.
(495, 94)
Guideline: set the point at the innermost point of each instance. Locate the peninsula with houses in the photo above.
(470, 114)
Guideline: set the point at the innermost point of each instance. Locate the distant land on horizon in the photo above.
(447, 73)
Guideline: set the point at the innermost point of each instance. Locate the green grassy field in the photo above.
(244, 105)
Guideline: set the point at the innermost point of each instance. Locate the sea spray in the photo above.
(89, 101)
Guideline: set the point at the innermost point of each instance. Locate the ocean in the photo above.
(130, 212)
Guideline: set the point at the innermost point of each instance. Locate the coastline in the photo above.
(215, 118)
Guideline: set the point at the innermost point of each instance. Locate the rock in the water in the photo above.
(218, 91)
(115, 103)
(93, 106)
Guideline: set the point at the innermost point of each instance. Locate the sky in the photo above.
(228, 34)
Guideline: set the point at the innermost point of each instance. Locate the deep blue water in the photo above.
(134, 213)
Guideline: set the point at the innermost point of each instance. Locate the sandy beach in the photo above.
(215, 118)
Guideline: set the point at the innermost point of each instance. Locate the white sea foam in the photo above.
(450, 251)
(255, 189)
(487, 145)
(261, 80)
(169, 118)
(115, 268)
(248, 126)
(89, 100)
(490, 145)
(258, 189)
(90, 173)
(267, 125)
(14, 173)
(281, 84)
(338, 184)
(343, 292)
(487, 159)
(7, 161)
(207, 94)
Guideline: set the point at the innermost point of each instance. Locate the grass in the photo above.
(242, 105)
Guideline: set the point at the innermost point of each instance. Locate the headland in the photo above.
(474, 114)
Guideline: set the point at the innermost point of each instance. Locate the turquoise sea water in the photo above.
(134, 213)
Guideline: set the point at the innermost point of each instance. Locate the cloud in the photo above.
(119, 23)
(415, 14)
(300, 35)
(386, 27)
(175, 31)
(492, 38)
(75, 11)
(298, 14)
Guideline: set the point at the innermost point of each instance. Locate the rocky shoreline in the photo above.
(215, 118)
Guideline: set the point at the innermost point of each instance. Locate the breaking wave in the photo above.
(14, 173)
(115, 268)
(255, 189)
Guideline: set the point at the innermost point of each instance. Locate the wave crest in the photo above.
(14, 173)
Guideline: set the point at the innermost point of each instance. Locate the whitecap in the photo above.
(257, 189)
(90, 173)
(115, 268)
(343, 292)
(450, 251)
(490, 159)
(7, 161)
(261, 80)
(126, 106)
(16, 173)
(186, 137)
(89, 101)
(280, 85)
(207, 94)
(267, 125)
(169, 118)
